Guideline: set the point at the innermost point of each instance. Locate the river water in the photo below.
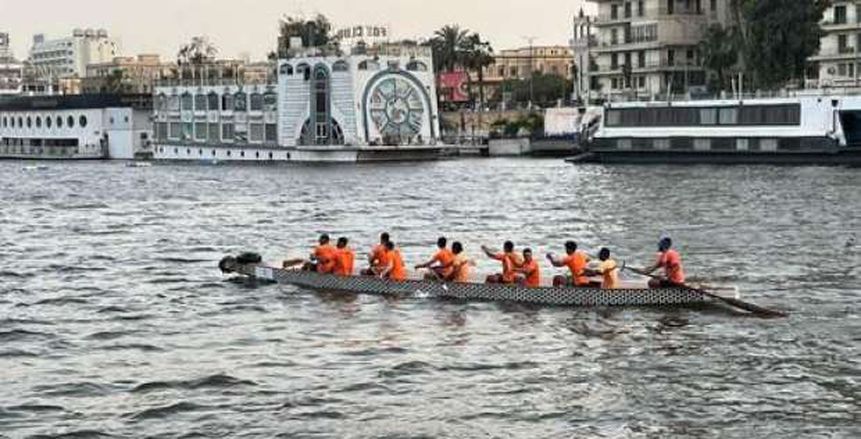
(114, 321)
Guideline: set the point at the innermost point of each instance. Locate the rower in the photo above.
(671, 261)
(394, 269)
(529, 274)
(324, 257)
(576, 261)
(461, 266)
(441, 263)
(608, 270)
(510, 261)
(375, 257)
(345, 258)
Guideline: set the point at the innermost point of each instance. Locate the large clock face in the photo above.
(396, 108)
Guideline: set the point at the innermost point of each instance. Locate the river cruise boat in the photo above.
(378, 104)
(808, 130)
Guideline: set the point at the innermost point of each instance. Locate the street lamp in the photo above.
(531, 41)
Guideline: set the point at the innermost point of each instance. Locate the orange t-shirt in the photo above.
(399, 271)
(346, 259)
(461, 269)
(377, 255)
(671, 262)
(533, 274)
(610, 271)
(445, 258)
(327, 257)
(577, 263)
(509, 266)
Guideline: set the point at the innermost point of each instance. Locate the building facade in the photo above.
(581, 48)
(839, 57)
(138, 75)
(69, 57)
(650, 47)
(320, 108)
(75, 127)
(11, 70)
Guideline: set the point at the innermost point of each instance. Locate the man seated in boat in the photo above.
(462, 265)
(510, 262)
(528, 273)
(671, 261)
(440, 264)
(323, 258)
(394, 267)
(608, 270)
(376, 256)
(576, 261)
(345, 258)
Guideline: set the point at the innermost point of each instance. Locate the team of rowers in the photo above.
(453, 265)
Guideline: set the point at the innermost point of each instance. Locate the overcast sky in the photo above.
(250, 26)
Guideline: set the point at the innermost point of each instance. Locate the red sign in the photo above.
(453, 86)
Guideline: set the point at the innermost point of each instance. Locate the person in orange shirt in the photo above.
(576, 261)
(376, 256)
(324, 257)
(461, 266)
(441, 264)
(510, 262)
(395, 269)
(529, 274)
(671, 261)
(608, 270)
(345, 259)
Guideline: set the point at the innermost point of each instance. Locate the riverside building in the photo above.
(657, 40)
(68, 57)
(11, 70)
(839, 57)
(374, 104)
(75, 127)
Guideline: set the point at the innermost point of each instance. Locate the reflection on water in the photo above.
(115, 322)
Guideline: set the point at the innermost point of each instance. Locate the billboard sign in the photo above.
(366, 33)
(453, 86)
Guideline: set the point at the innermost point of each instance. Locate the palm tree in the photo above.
(198, 51)
(447, 45)
(476, 56)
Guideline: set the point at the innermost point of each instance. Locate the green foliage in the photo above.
(447, 45)
(532, 123)
(719, 50)
(115, 82)
(316, 32)
(547, 89)
(198, 51)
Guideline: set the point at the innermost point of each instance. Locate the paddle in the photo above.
(754, 309)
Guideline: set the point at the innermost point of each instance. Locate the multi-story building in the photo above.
(839, 56)
(650, 47)
(69, 57)
(520, 64)
(11, 70)
(581, 48)
(138, 75)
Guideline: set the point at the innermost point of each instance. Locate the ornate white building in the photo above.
(375, 106)
(68, 57)
(11, 70)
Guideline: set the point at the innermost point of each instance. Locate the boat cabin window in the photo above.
(765, 115)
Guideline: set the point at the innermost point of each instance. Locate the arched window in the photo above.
(286, 70)
(38, 121)
(70, 121)
(82, 121)
(240, 102)
(369, 65)
(59, 122)
(340, 66)
(186, 102)
(49, 121)
(256, 102)
(29, 122)
(161, 102)
(417, 66)
(213, 100)
(319, 126)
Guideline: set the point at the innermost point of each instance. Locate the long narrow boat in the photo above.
(548, 296)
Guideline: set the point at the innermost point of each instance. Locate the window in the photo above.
(340, 66)
(240, 102)
(614, 37)
(187, 131)
(200, 131)
(671, 57)
(271, 135)
(728, 116)
(29, 122)
(614, 12)
(840, 15)
(173, 103)
(186, 102)
(642, 82)
(59, 122)
(161, 131)
(38, 121)
(227, 102)
(670, 7)
(843, 44)
(270, 102)
(641, 10)
(713, 5)
(614, 61)
(256, 102)
(627, 9)
(214, 135)
(256, 132)
(48, 121)
(227, 132)
(708, 116)
(175, 130)
(200, 102)
(641, 59)
(286, 70)
(82, 121)
(417, 66)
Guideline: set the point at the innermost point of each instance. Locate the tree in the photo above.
(198, 51)
(548, 89)
(316, 32)
(719, 50)
(777, 37)
(115, 82)
(447, 45)
(476, 56)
